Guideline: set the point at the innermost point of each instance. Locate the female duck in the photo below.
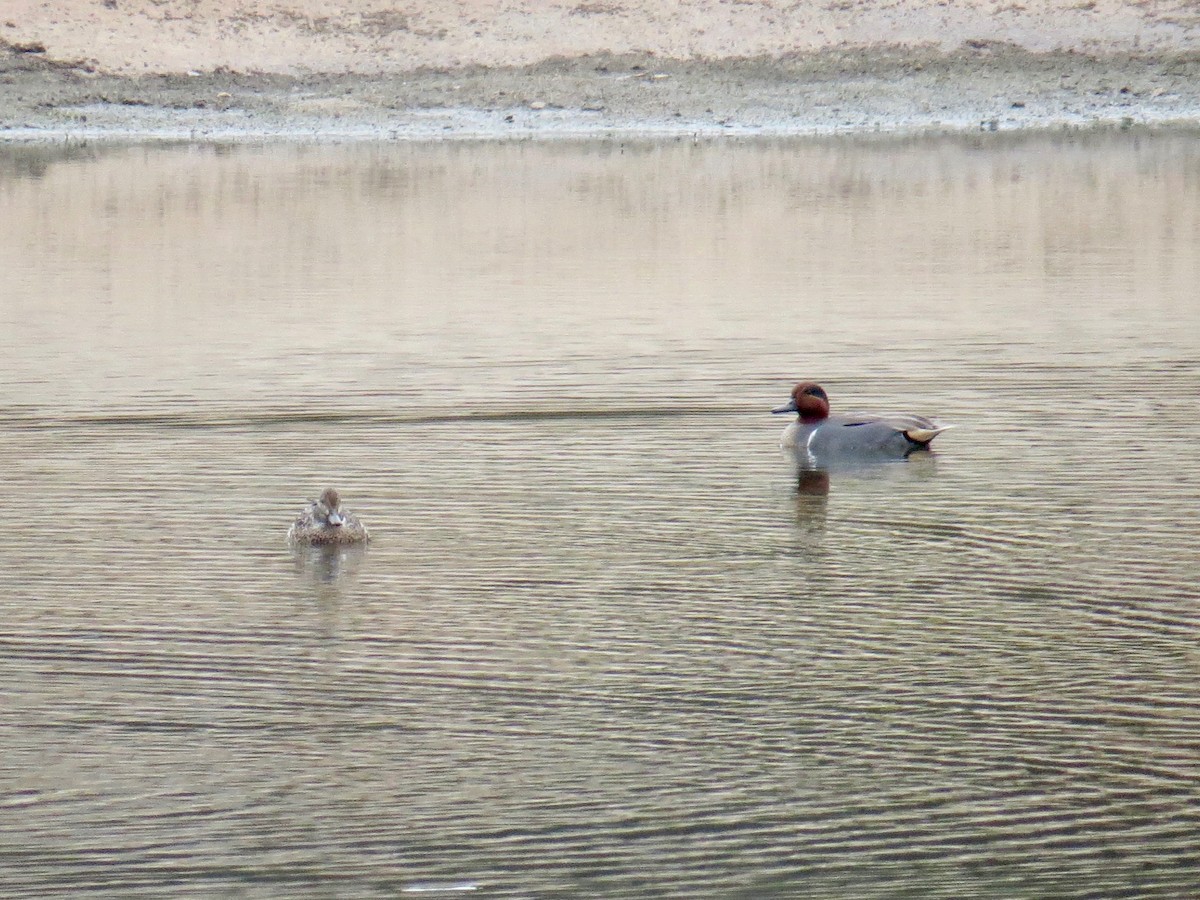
(822, 436)
(325, 522)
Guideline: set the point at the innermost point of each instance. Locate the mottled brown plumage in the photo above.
(325, 522)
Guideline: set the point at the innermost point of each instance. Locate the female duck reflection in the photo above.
(821, 443)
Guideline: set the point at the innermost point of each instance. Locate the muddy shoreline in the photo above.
(988, 86)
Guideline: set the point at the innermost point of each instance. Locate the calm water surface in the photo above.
(605, 642)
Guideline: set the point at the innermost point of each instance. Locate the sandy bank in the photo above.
(135, 37)
(223, 69)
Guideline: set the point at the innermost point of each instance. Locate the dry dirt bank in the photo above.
(227, 69)
(135, 37)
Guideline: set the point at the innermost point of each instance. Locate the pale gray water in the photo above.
(601, 645)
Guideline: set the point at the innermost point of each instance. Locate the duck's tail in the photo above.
(922, 431)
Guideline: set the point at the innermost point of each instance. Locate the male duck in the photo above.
(824, 437)
(325, 522)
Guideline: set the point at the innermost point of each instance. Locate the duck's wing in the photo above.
(916, 428)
